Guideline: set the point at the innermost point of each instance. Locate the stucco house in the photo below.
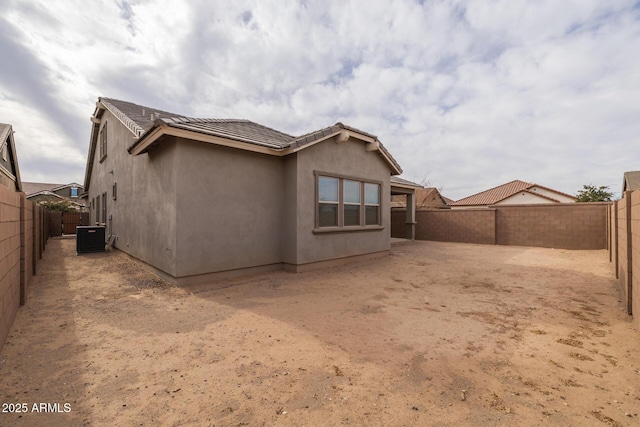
(631, 181)
(426, 198)
(9, 172)
(515, 192)
(198, 198)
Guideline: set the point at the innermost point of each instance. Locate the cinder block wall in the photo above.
(466, 226)
(566, 225)
(563, 226)
(9, 260)
(635, 255)
(22, 240)
(622, 246)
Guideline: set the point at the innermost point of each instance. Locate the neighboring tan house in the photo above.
(9, 172)
(514, 193)
(426, 198)
(198, 198)
(631, 181)
(44, 192)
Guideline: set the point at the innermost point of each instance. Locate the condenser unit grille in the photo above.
(89, 239)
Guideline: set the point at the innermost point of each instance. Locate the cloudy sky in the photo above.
(465, 94)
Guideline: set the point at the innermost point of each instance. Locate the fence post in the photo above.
(34, 233)
(410, 220)
(23, 250)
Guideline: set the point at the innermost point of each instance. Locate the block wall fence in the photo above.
(624, 249)
(562, 226)
(24, 231)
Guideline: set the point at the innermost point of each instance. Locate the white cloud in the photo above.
(470, 94)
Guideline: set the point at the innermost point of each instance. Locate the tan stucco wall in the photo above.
(231, 206)
(351, 159)
(191, 208)
(144, 214)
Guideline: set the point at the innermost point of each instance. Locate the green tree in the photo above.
(58, 205)
(591, 193)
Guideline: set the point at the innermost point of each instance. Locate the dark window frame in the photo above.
(341, 227)
(103, 141)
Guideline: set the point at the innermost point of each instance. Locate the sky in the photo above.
(466, 95)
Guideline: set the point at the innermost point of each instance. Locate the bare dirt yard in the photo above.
(435, 334)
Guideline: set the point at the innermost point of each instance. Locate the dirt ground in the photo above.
(435, 334)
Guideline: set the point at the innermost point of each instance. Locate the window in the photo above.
(328, 201)
(114, 191)
(98, 211)
(372, 203)
(103, 142)
(74, 192)
(345, 202)
(104, 208)
(351, 191)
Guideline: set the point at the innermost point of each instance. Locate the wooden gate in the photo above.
(70, 220)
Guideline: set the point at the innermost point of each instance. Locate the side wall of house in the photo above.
(348, 159)
(143, 214)
(231, 207)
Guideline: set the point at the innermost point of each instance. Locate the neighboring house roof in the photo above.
(44, 193)
(148, 125)
(6, 139)
(428, 197)
(631, 181)
(396, 180)
(504, 191)
(447, 200)
(30, 188)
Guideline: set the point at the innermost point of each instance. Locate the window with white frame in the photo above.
(347, 203)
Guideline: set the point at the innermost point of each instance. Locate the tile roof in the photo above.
(398, 180)
(494, 195)
(237, 130)
(140, 119)
(501, 192)
(137, 118)
(30, 188)
(631, 181)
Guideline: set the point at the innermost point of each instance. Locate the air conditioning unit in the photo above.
(89, 239)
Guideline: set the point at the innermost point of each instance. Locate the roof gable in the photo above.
(10, 165)
(631, 181)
